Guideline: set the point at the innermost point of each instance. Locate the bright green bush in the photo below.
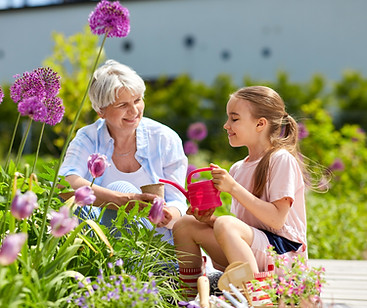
(73, 58)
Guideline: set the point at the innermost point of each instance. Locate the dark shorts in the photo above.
(280, 243)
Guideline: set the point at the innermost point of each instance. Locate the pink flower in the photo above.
(190, 147)
(1, 95)
(39, 87)
(61, 222)
(156, 211)
(34, 108)
(84, 195)
(337, 165)
(11, 247)
(302, 131)
(197, 131)
(97, 164)
(55, 111)
(110, 18)
(22, 206)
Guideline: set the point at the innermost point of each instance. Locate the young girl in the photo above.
(267, 189)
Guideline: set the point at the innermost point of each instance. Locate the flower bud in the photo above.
(11, 247)
(61, 222)
(97, 164)
(22, 206)
(84, 195)
(156, 211)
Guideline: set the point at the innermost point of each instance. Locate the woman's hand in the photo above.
(143, 200)
(167, 217)
(204, 216)
(222, 180)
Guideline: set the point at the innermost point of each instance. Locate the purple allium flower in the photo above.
(302, 131)
(11, 247)
(1, 95)
(190, 147)
(97, 164)
(26, 86)
(42, 82)
(22, 206)
(55, 111)
(84, 195)
(337, 165)
(110, 18)
(50, 81)
(41, 85)
(156, 211)
(33, 108)
(61, 222)
(360, 130)
(197, 131)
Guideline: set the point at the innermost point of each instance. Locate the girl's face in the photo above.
(125, 113)
(240, 126)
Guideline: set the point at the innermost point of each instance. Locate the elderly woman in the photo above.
(139, 150)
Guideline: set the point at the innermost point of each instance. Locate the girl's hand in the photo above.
(205, 216)
(222, 180)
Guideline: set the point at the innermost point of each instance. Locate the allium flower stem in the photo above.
(67, 141)
(11, 143)
(9, 195)
(38, 147)
(25, 246)
(22, 143)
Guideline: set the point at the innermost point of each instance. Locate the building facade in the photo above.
(204, 38)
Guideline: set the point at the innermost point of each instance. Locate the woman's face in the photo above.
(240, 126)
(125, 113)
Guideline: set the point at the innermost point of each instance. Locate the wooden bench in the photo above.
(346, 283)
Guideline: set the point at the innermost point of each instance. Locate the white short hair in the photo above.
(109, 79)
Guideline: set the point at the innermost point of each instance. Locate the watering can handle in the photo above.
(195, 171)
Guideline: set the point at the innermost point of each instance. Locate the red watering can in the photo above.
(202, 195)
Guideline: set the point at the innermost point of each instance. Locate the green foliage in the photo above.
(341, 212)
(8, 114)
(184, 101)
(294, 95)
(47, 277)
(351, 98)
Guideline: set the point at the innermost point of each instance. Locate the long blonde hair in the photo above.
(283, 132)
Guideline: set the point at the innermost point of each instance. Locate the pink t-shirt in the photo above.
(285, 180)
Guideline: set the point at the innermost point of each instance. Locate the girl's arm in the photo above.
(273, 214)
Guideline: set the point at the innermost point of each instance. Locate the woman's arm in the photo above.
(104, 196)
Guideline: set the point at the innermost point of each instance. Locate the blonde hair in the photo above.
(283, 132)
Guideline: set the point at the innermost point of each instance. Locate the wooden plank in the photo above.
(346, 282)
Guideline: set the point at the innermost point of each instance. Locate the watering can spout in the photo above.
(179, 187)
